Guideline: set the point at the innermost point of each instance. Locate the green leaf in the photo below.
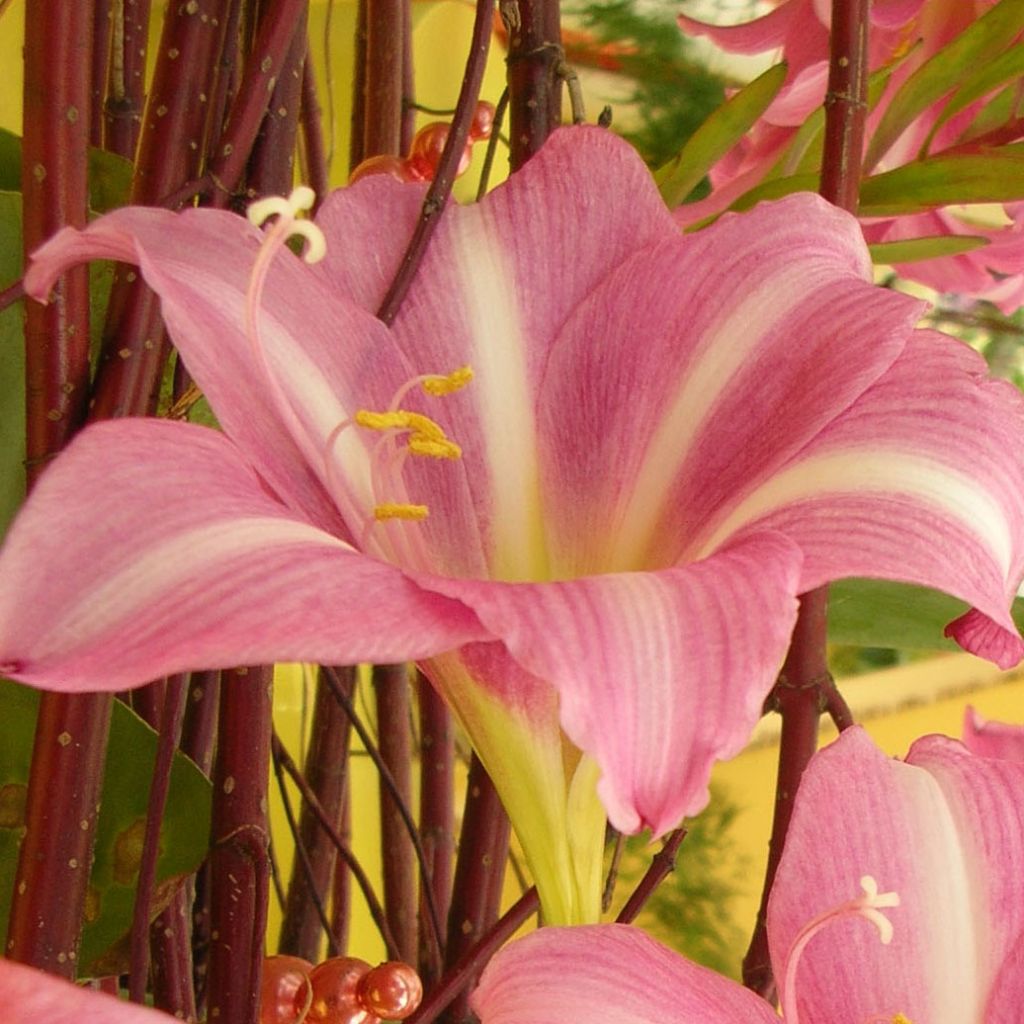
(12, 366)
(110, 176)
(979, 44)
(184, 836)
(987, 78)
(717, 135)
(993, 177)
(877, 613)
(910, 250)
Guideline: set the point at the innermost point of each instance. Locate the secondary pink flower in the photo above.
(937, 938)
(992, 739)
(666, 439)
(904, 33)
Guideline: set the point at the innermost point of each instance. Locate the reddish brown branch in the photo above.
(71, 732)
(340, 846)
(463, 972)
(661, 866)
(798, 697)
(169, 734)
(535, 89)
(454, 146)
(398, 858)
(479, 873)
(239, 863)
(437, 804)
(846, 104)
(326, 771)
(382, 91)
(802, 690)
(127, 78)
(170, 148)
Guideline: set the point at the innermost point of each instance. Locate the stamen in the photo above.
(454, 381)
(434, 449)
(868, 906)
(286, 225)
(424, 438)
(396, 511)
(301, 198)
(420, 426)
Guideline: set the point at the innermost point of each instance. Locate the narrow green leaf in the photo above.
(979, 44)
(877, 613)
(1006, 68)
(12, 366)
(717, 135)
(993, 177)
(910, 250)
(184, 836)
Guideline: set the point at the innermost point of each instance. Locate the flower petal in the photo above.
(911, 826)
(662, 398)
(609, 973)
(186, 562)
(750, 37)
(659, 674)
(497, 283)
(321, 358)
(30, 996)
(992, 739)
(918, 481)
(511, 717)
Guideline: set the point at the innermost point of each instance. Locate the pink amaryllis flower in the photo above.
(899, 899)
(904, 34)
(665, 439)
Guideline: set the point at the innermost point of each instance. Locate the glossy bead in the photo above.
(483, 121)
(427, 147)
(393, 166)
(284, 989)
(335, 992)
(392, 991)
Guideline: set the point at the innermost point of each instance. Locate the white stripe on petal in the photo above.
(172, 563)
(876, 471)
(727, 347)
(502, 392)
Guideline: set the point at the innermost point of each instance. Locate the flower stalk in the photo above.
(805, 687)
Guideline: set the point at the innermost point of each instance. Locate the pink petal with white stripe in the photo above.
(184, 561)
(655, 680)
(609, 973)
(945, 831)
(919, 481)
(199, 262)
(703, 366)
(29, 996)
(483, 297)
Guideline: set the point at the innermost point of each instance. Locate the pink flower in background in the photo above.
(665, 439)
(904, 33)
(940, 834)
(992, 739)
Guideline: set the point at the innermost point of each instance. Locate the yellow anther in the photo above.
(434, 449)
(420, 426)
(901, 1019)
(445, 385)
(394, 511)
